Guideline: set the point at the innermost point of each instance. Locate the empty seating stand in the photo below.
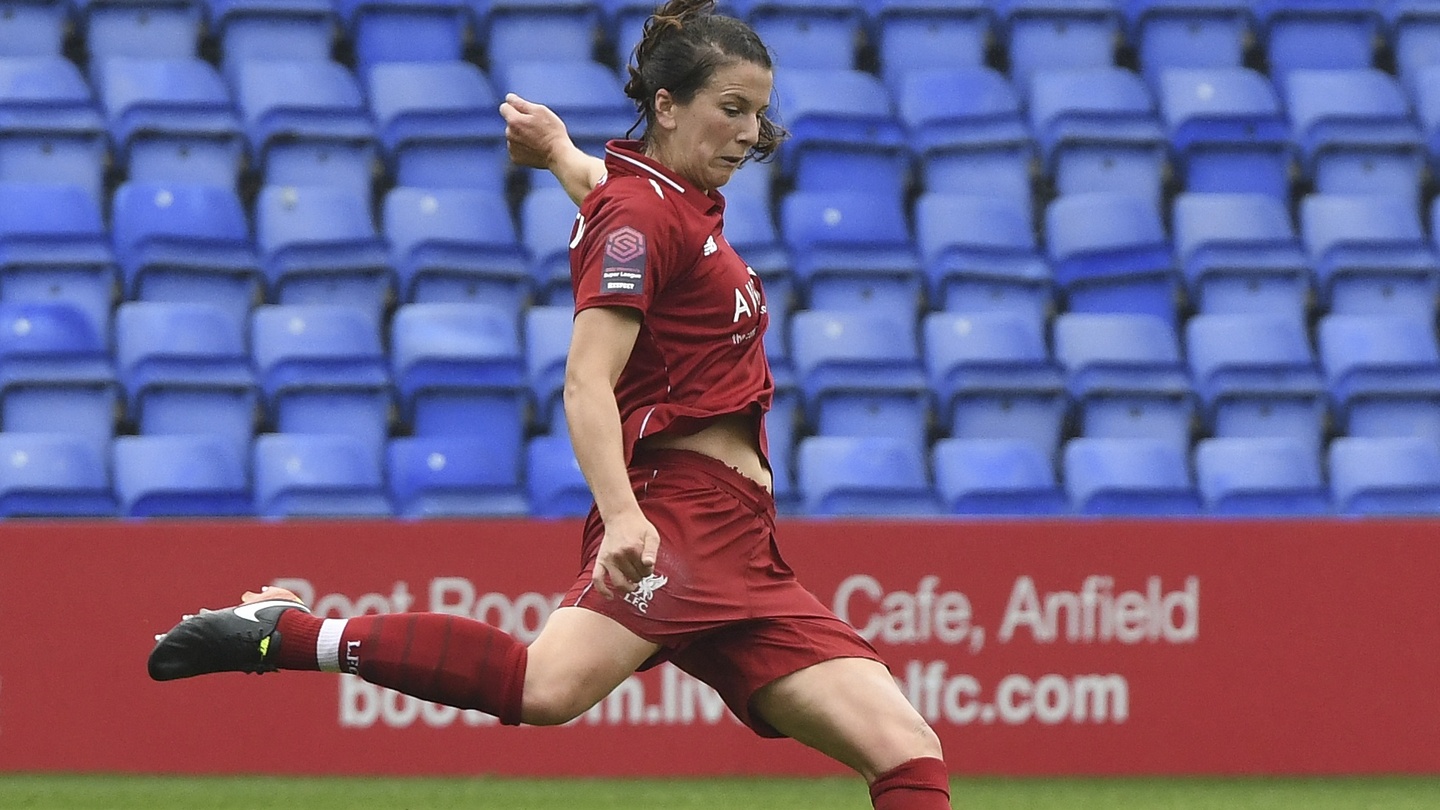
(1020, 258)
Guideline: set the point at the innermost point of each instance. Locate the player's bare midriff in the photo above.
(729, 438)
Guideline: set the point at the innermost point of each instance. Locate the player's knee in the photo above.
(551, 704)
(903, 739)
(928, 744)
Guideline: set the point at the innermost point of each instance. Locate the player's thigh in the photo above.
(578, 658)
(850, 710)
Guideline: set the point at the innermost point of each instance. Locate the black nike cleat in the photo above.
(238, 639)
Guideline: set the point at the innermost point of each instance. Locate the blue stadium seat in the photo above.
(1129, 477)
(1058, 34)
(53, 247)
(444, 476)
(777, 342)
(53, 475)
(547, 218)
(1426, 92)
(587, 95)
(161, 29)
(1385, 476)
(1126, 376)
(929, 34)
(309, 475)
(844, 135)
(782, 429)
(751, 183)
(806, 34)
(861, 374)
(1370, 254)
(459, 370)
(996, 477)
(512, 28)
(404, 30)
(306, 124)
(319, 245)
(34, 28)
(272, 29)
(1355, 132)
(864, 475)
(1227, 131)
(456, 245)
(1317, 34)
(438, 125)
(56, 374)
(1170, 34)
(1273, 477)
(182, 476)
(980, 255)
(553, 479)
(625, 23)
(547, 345)
(171, 120)
(1384, 374)
(750, 229)
(852, 249)
(186, 369)
(1413, 28)
(322, 370)
(185, 243)
(994, 378)
(50, 129)
(966, 131)
(1109, 253)
(1257, 377)
(1239, 253)
(1098, 130)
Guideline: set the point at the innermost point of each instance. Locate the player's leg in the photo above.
(851, 710)
(443, 658)
(579, 658)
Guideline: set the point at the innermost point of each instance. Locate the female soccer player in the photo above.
(666, 386)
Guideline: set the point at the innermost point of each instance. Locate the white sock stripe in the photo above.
(327, 644)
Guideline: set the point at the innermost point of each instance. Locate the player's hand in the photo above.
(534, 134)
(627, 554)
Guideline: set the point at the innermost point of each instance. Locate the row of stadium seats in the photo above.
(1102, 252)
(473, 369)
(435, 124)
(303, 475)
(284, 475)
(1028, 35)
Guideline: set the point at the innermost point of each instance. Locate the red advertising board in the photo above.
(1084, 647)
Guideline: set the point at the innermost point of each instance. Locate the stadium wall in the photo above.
(1104, 647)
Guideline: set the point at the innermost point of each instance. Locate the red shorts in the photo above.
(722, 604)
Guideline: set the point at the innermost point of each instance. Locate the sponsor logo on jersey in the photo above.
(710, 246)
(623, 270)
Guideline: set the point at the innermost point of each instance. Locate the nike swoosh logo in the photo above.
(249, 611)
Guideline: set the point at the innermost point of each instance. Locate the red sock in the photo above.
(920, 784)
(432, 656)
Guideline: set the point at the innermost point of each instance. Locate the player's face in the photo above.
(705, 139)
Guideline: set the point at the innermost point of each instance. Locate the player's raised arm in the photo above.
(536, 137)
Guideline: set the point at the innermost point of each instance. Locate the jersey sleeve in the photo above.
(624, 248)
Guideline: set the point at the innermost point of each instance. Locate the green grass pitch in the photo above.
(85, 792)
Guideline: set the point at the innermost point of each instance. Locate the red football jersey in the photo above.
(649, 240)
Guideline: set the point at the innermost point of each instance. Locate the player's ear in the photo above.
(664, 109)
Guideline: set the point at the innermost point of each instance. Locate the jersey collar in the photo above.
(627, 157)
